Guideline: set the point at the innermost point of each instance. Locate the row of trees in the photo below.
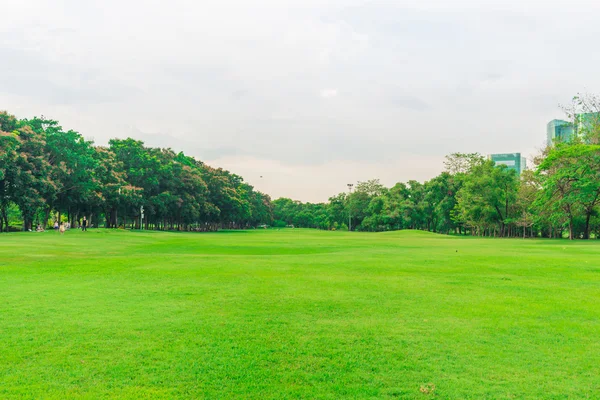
(47, 173)
(559, 196)
(473, 196)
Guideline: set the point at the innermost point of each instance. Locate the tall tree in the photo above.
(485, 197)
(571, 178)
(9, 154)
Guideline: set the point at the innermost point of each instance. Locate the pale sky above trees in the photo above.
(308, 94)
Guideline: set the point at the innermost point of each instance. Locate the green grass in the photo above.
(297, 314)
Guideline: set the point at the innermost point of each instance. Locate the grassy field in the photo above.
(297, 314)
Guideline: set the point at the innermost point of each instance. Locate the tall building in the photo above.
(512, 161)
(587, 123)
(558, 130)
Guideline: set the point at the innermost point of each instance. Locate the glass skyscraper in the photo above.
(512, 161)
(558, 130)
(587, 124)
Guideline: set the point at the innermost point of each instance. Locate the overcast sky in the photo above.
(308, 94)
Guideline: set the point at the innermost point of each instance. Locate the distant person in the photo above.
(84, 224)
(56, 225)
(62, 228)
(39, 228)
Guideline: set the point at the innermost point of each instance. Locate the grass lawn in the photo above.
(297, 314)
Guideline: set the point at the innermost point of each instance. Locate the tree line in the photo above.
(48, 174)
(559, 197)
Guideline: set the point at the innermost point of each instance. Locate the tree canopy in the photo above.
(49, 174)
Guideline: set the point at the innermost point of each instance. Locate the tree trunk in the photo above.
(586, 234)
(2, 219)
(47, 217)
(571, 235)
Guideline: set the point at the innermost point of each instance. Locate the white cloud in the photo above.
(328, 93)
(231, 78)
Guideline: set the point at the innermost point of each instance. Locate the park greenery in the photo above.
(559, 197)
(472, 197)
(297, 314)
(49, 174)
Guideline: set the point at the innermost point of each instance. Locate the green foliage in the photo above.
(48, 172)
(474, 196)
(288, 212)
(462, 163)
(486, 197)
(570, 175)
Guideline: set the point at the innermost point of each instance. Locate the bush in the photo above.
(279, 224)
